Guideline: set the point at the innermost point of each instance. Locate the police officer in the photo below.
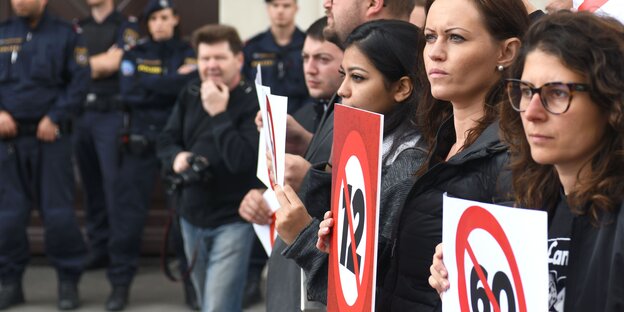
(44, 72)
(278, 52)
(152, 75)
(107, 34)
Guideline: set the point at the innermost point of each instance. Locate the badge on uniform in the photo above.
(81, 55)
(127, 68)
(130, 37)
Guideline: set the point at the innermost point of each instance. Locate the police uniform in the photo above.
(44, 71)
(95, 138)
(282, 66)
(149, 85)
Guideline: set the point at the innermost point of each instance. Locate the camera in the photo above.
(196, 173)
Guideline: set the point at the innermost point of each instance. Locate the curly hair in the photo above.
(593, 47)
(503, 19)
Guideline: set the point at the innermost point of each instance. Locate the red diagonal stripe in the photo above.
(591, 5)
(488, 290)
(356, 265)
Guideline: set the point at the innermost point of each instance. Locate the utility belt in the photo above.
(103, 103)
(28, 128)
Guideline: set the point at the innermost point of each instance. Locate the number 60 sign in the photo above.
(496, 257)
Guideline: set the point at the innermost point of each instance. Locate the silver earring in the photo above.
(500, 68)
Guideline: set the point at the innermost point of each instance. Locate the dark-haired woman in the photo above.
(565, 130)
(469, 47)
(380, 65)
(564, 122)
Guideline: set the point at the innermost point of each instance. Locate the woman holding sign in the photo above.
(380, 65)
(564, 123)
(565, 128)
(469, 47)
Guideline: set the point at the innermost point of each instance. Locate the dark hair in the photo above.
(211, 34)
(315, 31)
(392, 47)
(593, 47)
(145, 21)
(503, 19)
(400, 8)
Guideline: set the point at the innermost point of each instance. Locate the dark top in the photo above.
(150, 83)
(43, 70)
(228, 140)
(282, 66)
(477, 173)
(99, 37)
(595, 278)
(310, 114)
(559, 233)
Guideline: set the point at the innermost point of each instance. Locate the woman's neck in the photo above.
(571, 174)
(465, 118)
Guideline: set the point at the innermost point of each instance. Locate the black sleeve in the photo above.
(170, 141)
(237, 137)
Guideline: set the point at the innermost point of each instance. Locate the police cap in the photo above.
(156, 5)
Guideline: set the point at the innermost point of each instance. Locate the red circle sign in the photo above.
(353, 175)
(476, 217)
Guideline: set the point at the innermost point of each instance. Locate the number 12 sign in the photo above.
(496, 257)
(355, 207)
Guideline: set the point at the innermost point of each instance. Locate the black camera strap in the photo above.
(164, 251)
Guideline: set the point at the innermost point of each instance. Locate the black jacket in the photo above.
(595, 280)
(476, 173)
(230, 143)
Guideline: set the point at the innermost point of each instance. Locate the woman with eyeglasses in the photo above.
(565, 126)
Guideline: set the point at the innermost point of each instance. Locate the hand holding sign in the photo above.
(324, 233)
(439, 275)
(255, 209)
(292, 217)
(271, 123)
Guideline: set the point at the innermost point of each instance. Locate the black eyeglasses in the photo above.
(554, 96)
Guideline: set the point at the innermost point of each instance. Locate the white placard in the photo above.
(614, 8)
(510, 246)
(266, 233)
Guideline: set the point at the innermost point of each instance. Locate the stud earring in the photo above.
(500, 68)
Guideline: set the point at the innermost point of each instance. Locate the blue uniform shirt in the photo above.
(43, 71)
(282, 67)
(150, 82)
(116, 30)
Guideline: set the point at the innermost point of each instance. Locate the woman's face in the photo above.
(569, 139)
(363, 85)
(161, 24)
(460, 54)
